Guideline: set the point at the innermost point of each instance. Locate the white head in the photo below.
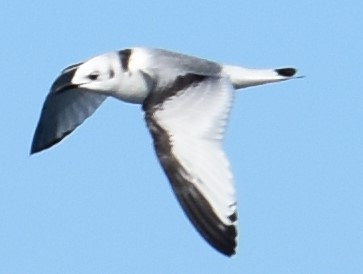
(101, 73)
(107, 74)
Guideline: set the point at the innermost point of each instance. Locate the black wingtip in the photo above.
(35, 149)
(41, 143)
(286, 72)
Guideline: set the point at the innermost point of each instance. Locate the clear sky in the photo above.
(98, 202)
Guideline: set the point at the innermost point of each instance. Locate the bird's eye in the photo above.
(93, 75)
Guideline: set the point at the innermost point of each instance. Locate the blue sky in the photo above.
(99, 202)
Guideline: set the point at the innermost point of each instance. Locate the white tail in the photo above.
(243, 77)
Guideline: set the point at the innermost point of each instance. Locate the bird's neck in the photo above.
(133, 87)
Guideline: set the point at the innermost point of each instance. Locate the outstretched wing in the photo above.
(187, 122)
(62, 112)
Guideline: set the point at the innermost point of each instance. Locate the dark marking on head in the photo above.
(94, 75)
(286, 72)
(125, 58)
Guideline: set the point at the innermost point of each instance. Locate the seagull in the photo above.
(186, 101)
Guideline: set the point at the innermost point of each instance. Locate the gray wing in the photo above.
(62, 112)
(187, 122)
(166, 60)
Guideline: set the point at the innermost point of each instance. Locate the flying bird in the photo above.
(186, 101)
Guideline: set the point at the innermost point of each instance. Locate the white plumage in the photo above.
(187, 101)
(196, 136)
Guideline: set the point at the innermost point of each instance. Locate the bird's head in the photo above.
(100, 74)
(108, 74)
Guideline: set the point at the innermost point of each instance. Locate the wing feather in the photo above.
(62, 112)
(187, 121)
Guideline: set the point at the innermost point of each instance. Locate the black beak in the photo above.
(64, 81)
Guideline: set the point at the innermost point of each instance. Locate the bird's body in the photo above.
(186, 102)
